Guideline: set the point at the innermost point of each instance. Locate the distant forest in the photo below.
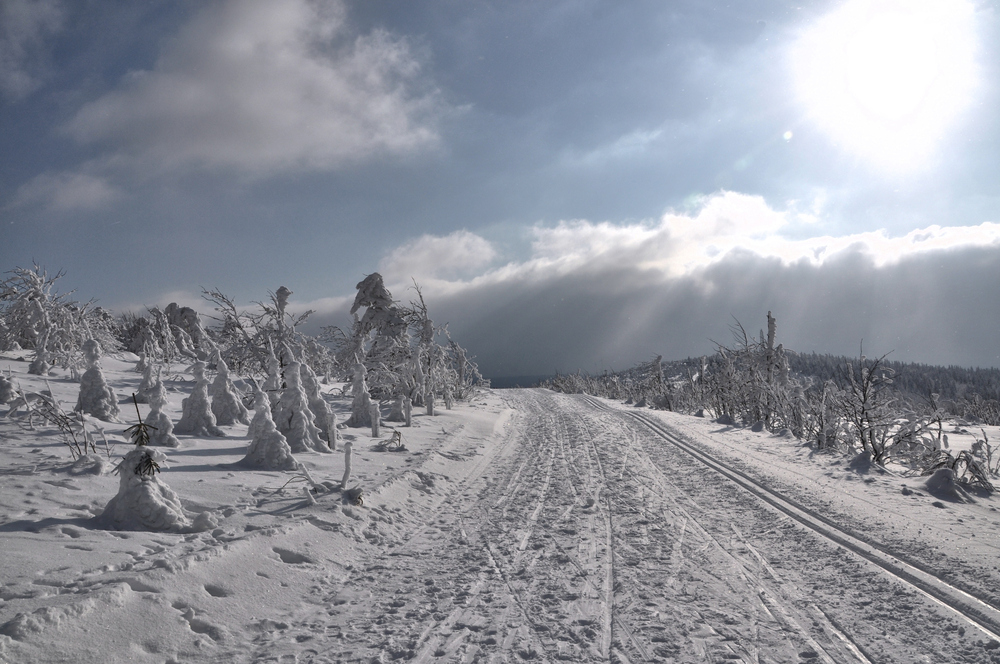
(916, 380)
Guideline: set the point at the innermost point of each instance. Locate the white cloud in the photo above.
(264, 86)
(66, 191)
(24, 25)
(434, 258)
(676, 246)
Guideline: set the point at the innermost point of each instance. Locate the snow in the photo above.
(520, 525)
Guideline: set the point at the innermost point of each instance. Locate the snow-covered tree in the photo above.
(36, 316)
(149, 379)
(7, 391)
(361, 405)
(293, 417)
(248, 337)
(326, 421)
(226, 404)
(268, 450)
(162, 434)
(96, 396)
(196, 411)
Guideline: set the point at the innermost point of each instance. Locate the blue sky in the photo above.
(573, 184)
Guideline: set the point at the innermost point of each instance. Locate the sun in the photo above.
(887, 79)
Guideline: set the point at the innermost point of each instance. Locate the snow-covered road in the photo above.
(525, 526)
(591, 537)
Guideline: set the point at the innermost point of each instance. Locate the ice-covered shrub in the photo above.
(96, 396)
(293, 417)
(247, 337)
(269, 450)
(227, 406)
(196, 411)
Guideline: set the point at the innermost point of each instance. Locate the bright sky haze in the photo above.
(574, 184)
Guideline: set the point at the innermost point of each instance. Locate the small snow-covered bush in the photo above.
(146, 384)
(143, 502)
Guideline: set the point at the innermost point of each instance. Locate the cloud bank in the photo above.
(596, 296)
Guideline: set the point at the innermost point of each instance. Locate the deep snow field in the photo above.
(274, 575)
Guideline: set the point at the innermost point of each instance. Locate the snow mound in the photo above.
(89, 464)
(943, 484)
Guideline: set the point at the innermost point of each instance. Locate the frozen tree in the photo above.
(396, 413)
(248, 337)
(96, 396)
(162, 434)
(7, 391)
(196, 411)
(361, 406)
(269, 450)
(326, 421)
(188, 331)
(146, 384)
(293, 417)
(226, 404)
(140, 366)
(35, 316)
(260, 400)
(376, 417)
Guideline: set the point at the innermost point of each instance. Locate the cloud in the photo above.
(431, 258)
(601, 295)
(64, 191)
(264, 87)
(24, 26)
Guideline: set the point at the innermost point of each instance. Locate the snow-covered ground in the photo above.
(524, 525)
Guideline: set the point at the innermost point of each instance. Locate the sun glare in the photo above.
(886, 79)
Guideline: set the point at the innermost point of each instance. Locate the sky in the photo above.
(574, 184)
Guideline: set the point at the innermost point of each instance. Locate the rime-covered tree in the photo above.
(96, 396)
(162, 433)
(268, 450)
(226, 404)
(293, 417)
(196, 410)
(36, 316)
(325, 420)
